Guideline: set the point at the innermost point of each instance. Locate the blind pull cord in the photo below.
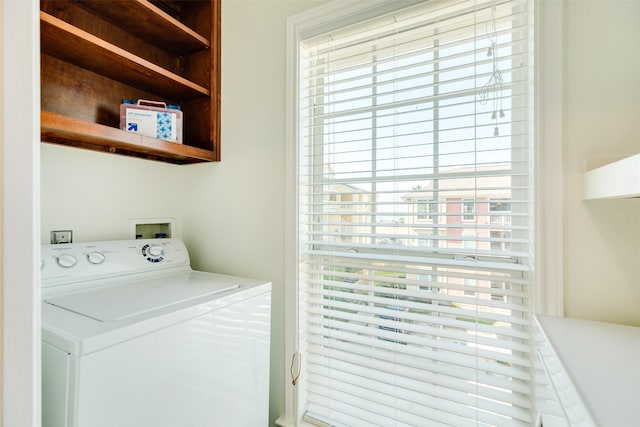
(296, 363)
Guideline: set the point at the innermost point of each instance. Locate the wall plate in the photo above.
(61, 236)
(152, 228)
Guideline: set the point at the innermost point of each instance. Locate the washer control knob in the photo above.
(67, 261)
(156, 250)
(153, 253)
(95, 257)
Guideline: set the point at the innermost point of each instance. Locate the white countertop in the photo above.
(602, 363)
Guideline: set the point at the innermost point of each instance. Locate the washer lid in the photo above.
(135, 298)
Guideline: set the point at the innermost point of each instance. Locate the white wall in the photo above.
(95, 194)
(602, 123)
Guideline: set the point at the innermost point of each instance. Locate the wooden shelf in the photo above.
(96, 53)
(157, 27)
(59, 129)
(73, 45)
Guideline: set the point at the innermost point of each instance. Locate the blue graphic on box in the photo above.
(165, 130)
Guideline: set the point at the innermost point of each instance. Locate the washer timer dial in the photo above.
(153, 253)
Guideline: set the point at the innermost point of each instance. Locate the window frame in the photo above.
(548, 74)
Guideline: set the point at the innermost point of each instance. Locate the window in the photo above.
(468, 210)
(470, 285)
(499, 211)
(428, 282)
(427, 209)
(500, 205)
(423, 208)
(434, 97)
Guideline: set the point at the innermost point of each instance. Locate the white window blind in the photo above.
(414, 217)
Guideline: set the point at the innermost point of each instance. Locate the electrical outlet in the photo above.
(61, 236)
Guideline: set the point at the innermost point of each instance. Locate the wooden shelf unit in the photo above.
(96, 53)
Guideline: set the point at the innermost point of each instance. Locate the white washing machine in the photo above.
(133, 337)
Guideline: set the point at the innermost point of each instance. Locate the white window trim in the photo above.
(548, 168)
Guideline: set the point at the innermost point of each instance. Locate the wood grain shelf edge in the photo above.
(63, 130)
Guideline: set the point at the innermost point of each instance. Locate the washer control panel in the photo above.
(74, 262)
